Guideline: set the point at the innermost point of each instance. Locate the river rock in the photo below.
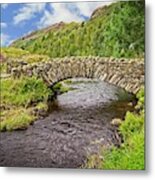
(116, 122)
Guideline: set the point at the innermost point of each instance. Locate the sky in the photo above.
(19, 19)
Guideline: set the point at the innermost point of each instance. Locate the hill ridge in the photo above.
(114, 30)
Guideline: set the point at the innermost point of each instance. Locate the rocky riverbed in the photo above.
(77, 125)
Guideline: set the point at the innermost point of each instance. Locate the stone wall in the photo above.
(125, 73)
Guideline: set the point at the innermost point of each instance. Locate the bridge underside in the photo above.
(124, 73)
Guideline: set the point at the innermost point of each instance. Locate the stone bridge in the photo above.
(124, 73)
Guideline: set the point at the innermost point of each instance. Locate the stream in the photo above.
(77, 126)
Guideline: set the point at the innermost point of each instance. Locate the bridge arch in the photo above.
(125, 73)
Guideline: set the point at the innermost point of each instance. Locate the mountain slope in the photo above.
(116, 30)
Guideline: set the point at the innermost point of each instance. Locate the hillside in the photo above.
(116, 30)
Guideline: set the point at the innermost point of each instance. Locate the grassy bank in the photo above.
(130, 155)
(19, 98)
(22, 100)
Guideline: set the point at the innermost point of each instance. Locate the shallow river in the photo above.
(77, 126)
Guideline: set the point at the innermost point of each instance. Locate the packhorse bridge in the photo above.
(124, 73)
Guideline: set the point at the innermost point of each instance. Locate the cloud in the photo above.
(5, 39)
(58, 12)
(28, 11)
(4, 6)
(68, 12)
(86, 8)
(3, 25)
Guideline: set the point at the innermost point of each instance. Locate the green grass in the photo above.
(20, 97)
(42, 106)
(23, 55)
(3, 67)
(134, 123)
(15, 55)
(13, 52)
(16, 119)
(24, 91)
(34, 58)
(130, 155)
(61, 88)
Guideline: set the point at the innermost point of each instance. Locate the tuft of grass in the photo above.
(68, 81)
(61, 88)
(42, 106)
(16, 119)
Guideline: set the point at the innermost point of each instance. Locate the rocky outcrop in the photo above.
(124, 73)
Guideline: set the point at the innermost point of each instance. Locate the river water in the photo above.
(77, 126)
